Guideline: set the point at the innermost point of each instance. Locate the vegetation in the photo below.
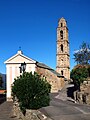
(82, 56)
(82, 70)
(31, 90)
(78, 74)
(1, 81)
(89, 70)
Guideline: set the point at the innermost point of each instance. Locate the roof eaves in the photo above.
(42, 65)
(16, 56)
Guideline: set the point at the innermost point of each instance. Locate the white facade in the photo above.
(13, 70)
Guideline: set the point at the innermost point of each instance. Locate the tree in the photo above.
(1, 81)
(78, 74)
(89, 70)
(82, 56)
(31, 90)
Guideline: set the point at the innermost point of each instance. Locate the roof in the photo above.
(42, 65)
(18, 58)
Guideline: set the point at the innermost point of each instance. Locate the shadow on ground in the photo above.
(70, 92)
(2, 98)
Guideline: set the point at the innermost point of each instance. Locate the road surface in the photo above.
(66, 110)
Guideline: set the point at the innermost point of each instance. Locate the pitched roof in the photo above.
(42, 65)
(18, 58)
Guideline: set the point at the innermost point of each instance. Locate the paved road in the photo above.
(66, 110)
(6, 111)
(58, 110)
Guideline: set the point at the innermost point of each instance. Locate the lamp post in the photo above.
(22, 67)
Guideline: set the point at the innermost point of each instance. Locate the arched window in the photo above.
(61, 24)
(61, 34)
(61, 48)
(61, 72)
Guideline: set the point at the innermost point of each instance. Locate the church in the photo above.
(55, 77)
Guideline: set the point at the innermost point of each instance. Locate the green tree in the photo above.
(89, 70)
(82, 56)
(1, 81)
(78, 74)
(31, 90)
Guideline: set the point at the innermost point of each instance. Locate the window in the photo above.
(61, 72)
(61, 34)
(61, 61)
(61, 48)
(61, 25)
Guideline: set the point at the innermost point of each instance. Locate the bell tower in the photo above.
(63, 57)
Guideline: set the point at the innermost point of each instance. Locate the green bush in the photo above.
(89, 70)
(31, 90)
(78, 74)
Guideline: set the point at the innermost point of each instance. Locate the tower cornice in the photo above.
(62, 27)
(62, 40)
(63, 67)
(63, 54)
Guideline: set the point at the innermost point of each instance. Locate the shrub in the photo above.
(78, 74)
(89, 70)
(31, 90)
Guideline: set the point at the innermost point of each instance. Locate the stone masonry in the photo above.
(63, 57)
(54, 78)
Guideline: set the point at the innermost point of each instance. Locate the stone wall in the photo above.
(83, 96)
(30, 114)
(56, 82)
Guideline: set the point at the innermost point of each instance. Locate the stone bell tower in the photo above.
(63, 57)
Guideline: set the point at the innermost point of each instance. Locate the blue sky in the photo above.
(32, 25)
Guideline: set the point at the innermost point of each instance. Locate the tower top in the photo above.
(62, 22)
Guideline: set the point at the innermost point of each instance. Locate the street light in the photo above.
(22, 67)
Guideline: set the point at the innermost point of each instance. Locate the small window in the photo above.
(61, 25)
(61, 61)
(61, 72)
(61, 47)
(61, 34)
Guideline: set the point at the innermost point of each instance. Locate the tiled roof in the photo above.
(42, 65)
